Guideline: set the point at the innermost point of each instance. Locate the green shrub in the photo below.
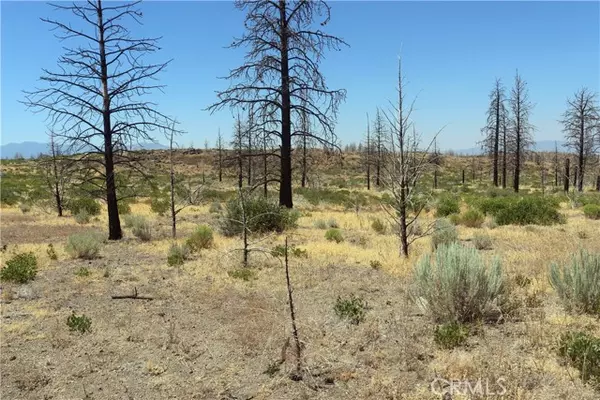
(375, 264)
(91, 206)
(22, 268)
(141, 228)
(379, 226)
(25, 207)
(79, 323)
(177, 255)
(583, 352)
(159, 205)
(482, 241)
(456, 285)
(334, 235)
(446, 206)
(51, 252)
(82, 272)
(472, 218)
(262, 216)
(530, 210)
(353, 309)
(82, 217)
(131, 220)
(279, 251)
(454, 219)
(85, 245)
(201, 238)
(578, 283)
(443, 233)
(592, 211)
(245, 274)
(320, 224)
(451, 335)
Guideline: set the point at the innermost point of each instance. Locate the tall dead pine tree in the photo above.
(581, 126)
(492, 130)
(96, 100)
(281, 77)
(520, 132)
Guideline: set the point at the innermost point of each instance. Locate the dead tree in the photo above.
(504, 150)
(249, 134)
(567, 176)
(238, 147)
(367, 154)
(96, 101)
(379, 144)
(520, 132)
(220, 150)
(304, 146)
(281, 73)
(404, 168)
(57, 170)
(556, 164)
(495, 113)
(581, 126)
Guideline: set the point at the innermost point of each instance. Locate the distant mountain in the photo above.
(542, 145)
(33, 149)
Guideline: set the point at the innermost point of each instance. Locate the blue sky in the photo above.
(452, 52)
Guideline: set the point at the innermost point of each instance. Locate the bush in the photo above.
(444, 233)
(454, 219)
(82, 217)
(82, 272)
(201, 238)
(334, 235)
(379, 226)
(592, 211)
(375, 264)
(583, 352)
(262, 216)
(472, 218)
(141, 228)
(51, 252)
(320, 224)
(531, 210)
(91, 206)
(177, 255)
(22, 268)
(578, 283)
(245, 274)
(159, 205)
(450, 335)
(482, 241)
(131, 220)
(79, 323)
(447, 206)
(458, 286)
(85, 245)
(124, 207)
(353, 309)
(25, 207)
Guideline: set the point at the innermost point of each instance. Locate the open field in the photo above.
(209, 335)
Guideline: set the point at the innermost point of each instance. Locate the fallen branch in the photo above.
(133, 296)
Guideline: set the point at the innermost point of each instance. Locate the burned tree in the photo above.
(366, 153)
(520, 130)
(406, 164)
(492, 130)
(379, 145)
(305, 143)
(581, 126)
(57, 170)
(220, 151)
(96, 100)
(238, 147)
(281, 73)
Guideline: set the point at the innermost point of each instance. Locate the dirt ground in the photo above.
(206, 335)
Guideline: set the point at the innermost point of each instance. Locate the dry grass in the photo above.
(207, 335)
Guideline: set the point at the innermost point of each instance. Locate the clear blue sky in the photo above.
(452, 53)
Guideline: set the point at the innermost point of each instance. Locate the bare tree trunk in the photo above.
(579, 172)
(285, 190)
(575, 178)
(114, 223)
(598, 183)
(504, 155)
(56, 178)
(172, 180)
(368, 154)
(298, 373)
(567, 177)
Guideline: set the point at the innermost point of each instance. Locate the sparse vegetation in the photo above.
(79, 323)
(457, 285)
(85, 245)
(334, 235)
(444, 233)
(352, 309)
(21, 268)
(591, 211)
(472, 218)
(293, 251)
(51, 252)
(177, 255)
(90, 206)
(82, 217)
(582, 350)
(141, 228)
(83, 272)
(578, 282)
(201, 238)
(451, 335)
(447, 205)
(379, 226)
(482, 241)
(245, 274)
